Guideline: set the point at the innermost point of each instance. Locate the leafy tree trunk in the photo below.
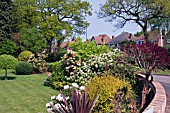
(6, 78)
(146, 34)
(58, 45)
(49, 42)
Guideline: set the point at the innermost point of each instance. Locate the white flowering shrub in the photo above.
(76, 70)
(116, 64)
(103, 62)
(73, 70)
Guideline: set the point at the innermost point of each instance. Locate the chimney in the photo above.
(103, 40)
(130, 36)
(113, 37)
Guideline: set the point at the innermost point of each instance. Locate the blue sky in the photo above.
(99, 26)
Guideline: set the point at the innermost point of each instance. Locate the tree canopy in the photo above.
(7, 62)
(32, 40)
(161, 23)
(55, 19)
(7, 20)
(139, 11)
(8, 47)
(165, 3)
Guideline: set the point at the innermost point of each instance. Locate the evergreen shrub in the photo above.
(56, 56)
(23, 68)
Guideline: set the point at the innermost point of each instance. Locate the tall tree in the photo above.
(7, 20)
(160, 23)
(8, 47)
(55, 19)
(8, 26)
(138, 11)
(7, 1)
(165, 3)
(32, 40)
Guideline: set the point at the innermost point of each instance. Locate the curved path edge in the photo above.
(158, 103)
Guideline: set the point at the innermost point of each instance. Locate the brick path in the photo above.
(165, 81)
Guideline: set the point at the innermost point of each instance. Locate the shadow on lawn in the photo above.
(9, 77)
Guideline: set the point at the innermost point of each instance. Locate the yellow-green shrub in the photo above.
(107, 86)
(24, 56)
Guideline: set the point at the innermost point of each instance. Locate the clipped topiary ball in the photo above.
(24, 56)
(23, 68)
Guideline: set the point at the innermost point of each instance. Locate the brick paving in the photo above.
(165, 81)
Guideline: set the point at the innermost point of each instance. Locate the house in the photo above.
(124, 36)
(154, 37)
(65, 44)
(102, 39)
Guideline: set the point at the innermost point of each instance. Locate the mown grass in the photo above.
(165, 72)
(24, 93)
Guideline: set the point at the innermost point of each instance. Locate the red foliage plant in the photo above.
(148, 56)
(80, 103)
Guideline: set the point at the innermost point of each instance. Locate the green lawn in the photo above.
(24, 94)
(166, 72)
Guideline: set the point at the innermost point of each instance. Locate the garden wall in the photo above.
(158, 103)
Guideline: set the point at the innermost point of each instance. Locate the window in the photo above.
(116, 45)
(168, 41)
(140, 42)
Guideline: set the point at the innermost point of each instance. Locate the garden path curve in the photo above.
(165, 81)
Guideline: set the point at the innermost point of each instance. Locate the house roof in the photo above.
(65, 44)
(97, 39)
(122, 37)
(154, 35)
(101, 39)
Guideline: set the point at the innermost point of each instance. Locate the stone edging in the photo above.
(159, 101)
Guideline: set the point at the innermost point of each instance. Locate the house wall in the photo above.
(166, 40)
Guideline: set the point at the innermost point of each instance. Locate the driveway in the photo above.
(165, 81)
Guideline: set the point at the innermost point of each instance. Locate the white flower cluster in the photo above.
(81, 72)
(58, 100)
(77, 71)
(98, 63)
(55, 103)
